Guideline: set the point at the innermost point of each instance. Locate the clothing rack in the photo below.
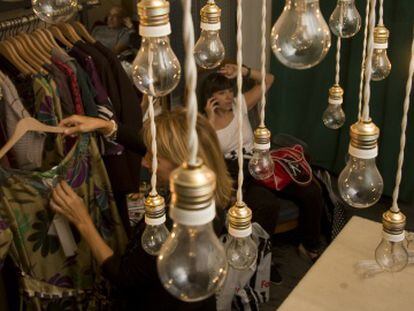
(32, 20)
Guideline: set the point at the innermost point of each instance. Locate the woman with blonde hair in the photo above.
(134, 274)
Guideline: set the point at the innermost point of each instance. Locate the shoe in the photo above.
(275, 276)
(311, 256)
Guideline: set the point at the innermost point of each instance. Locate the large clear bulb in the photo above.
(55, 11)
(345, 20)
(381, 65)
(209, 50)
(392, 256)
(333, 117)
(360, 183)
(300, 38)
(166, 69)
(153, 238)
(261, 165)
(241, 252)
(192, 263)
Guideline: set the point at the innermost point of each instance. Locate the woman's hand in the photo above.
(230, 71)
(82, 124)
(128, 23)
(210, 109)
(66, 202)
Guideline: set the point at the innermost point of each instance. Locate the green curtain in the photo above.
(299, 97)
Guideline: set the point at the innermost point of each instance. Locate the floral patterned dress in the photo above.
(48, 279)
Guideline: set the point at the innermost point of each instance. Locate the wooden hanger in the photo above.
(37, 44)
(59, 35)
(69, 32)
(30, 59)
(83, 32)
(50, 36)
(28, 125)
(8, 51)
(40, 54)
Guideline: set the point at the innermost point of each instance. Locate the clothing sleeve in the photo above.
(123, 38)
(6, 238)
(131, 138)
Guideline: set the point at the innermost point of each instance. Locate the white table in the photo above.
(332, 283)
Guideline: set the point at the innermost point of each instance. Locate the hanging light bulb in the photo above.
(381, 66)
(391, 253)
(261, 165)
(241, 250)
(55, 11)
(155, 232)
(349, 23)
(334, 116)
(209, 50)
(192, 263)
(155, 46)
(300, 38)
(360, 183)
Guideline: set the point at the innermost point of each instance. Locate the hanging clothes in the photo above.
(48, 279)
(27, 152)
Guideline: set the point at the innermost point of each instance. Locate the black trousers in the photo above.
(265, 204)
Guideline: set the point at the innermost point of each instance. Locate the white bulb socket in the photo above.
(155, 31)
(193, 217)
(210, 27)
(380, 46)
(237, 233)
(335, 101)
(261, 146)
(155, 221)
(393, 237)
(363, 153)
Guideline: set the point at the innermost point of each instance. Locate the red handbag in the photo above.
(290, 165)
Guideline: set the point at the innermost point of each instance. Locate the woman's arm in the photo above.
(130, 138)
(66, 202)
(253, 95)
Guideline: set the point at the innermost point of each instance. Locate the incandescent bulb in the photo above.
(209, 50)
(192, 263)
(241, 252)
(392, 256)
(155, 232)
(345, 20)
(360, 183)
(300, 38)
(381, 66)
(261, 164)
(156, 70)
(55, 11)
(334, 117)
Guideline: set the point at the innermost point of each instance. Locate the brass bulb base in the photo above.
(154, 206)
(262, 136)
(364, 135)
(381, 34)
(393, 222)
(240, 216)
(192, 186)
(153, 12)
(336, 92)
(210, 13)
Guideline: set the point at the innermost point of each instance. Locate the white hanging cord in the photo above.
(368, 63)
(263, 59)
(338, 60)
(240, 99)
(191, 80)
(395, 194)
(151, 115)
(364, 53)
(381, 13)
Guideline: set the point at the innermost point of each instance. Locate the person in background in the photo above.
(117, 32)
(134, 274)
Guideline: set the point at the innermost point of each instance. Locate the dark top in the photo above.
(135, 278)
